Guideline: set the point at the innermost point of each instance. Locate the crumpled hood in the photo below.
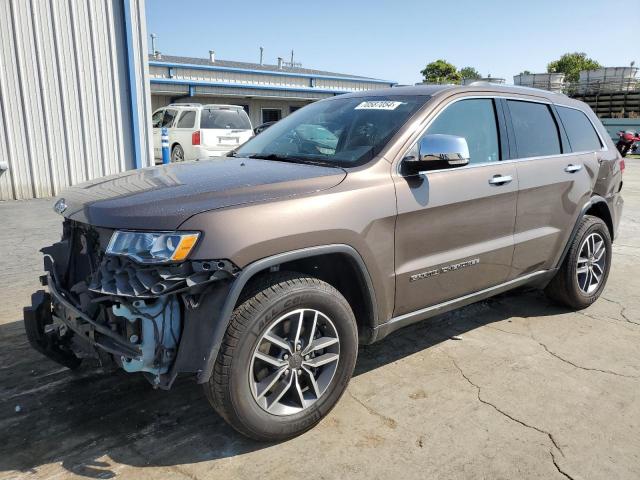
(163, 197)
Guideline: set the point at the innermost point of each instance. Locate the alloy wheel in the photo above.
(591, 263)
(294, 362)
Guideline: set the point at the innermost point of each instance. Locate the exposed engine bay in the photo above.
(118, 311)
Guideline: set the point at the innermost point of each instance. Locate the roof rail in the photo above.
(481, 83)
(184, 105)
(223, 105)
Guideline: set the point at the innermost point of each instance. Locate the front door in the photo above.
(156, 124)
(454, 231)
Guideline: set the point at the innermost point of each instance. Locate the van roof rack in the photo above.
(222, 105)
(184, 105)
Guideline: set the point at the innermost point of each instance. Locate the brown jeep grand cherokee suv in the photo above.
(261, 272)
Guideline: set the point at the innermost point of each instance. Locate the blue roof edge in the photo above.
(194, 66)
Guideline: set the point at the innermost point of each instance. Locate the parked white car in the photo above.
(200, 131)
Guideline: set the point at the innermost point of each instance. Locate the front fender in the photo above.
(235, 289)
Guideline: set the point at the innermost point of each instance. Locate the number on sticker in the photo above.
(378, 105)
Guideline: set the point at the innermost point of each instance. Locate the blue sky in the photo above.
(394, 40)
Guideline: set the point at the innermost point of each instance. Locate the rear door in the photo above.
(554, 183)
(454, 230)
(224, 128)
(182, 132)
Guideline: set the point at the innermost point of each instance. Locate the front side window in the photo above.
(156, 119)
(167, 120)
(187, 119)
(342, 131)
(224, 119)
(475, 121)
(582, 135)
(535, 129)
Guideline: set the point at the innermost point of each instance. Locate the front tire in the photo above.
(584, 272)
(286, 359)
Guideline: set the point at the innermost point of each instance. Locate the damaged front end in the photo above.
(157, 319)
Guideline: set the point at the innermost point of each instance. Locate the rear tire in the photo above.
(264, 386)
(177, 154)
(584, 272)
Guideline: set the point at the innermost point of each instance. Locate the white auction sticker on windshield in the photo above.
(378, 105)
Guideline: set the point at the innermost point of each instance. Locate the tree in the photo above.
(441, 71)
(571, 64)
(469, 73)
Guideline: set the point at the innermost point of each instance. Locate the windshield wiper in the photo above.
(291, 159)
(271, 156)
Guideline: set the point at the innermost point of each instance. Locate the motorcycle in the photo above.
(626, 142)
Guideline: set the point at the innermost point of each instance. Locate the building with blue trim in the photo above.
(267, 92)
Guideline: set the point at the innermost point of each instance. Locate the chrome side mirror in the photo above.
(439, 151)
(448, 148)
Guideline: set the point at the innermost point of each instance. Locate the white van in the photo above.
(200, 131)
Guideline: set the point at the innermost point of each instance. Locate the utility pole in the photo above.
(261, 54)
(153, 43)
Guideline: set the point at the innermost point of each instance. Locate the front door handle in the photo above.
(572, 168)
(500, 179)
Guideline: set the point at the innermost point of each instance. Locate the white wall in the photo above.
(65, 95)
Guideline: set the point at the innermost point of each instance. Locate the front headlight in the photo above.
(152, 247)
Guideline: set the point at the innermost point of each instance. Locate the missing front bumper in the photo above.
(160, 335)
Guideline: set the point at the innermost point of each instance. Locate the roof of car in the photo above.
(222, 106)
(431, 90)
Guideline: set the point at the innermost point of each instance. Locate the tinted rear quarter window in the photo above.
(224, 119)
(535, 129)
(580, 130)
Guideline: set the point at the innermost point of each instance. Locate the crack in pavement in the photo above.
(617, 321)
(512, 418)
(556, 355)
(555, 463)
(388, 421)
(569, 362)
(623, 309)
(495, 407)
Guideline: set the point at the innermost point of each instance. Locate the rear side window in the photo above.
(187, 119)
(582, 135)
(475, 121)
(167, 120)
(224, 119)
(535, 129)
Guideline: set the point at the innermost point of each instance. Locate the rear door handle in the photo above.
(500, 179)
(572, 168)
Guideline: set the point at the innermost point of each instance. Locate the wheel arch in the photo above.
(337, 264)
(601, 210)
(597, 207)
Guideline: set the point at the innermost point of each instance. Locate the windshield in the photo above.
(344, 132)
(231, 118)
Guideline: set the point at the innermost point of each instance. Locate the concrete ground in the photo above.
(513, 387)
